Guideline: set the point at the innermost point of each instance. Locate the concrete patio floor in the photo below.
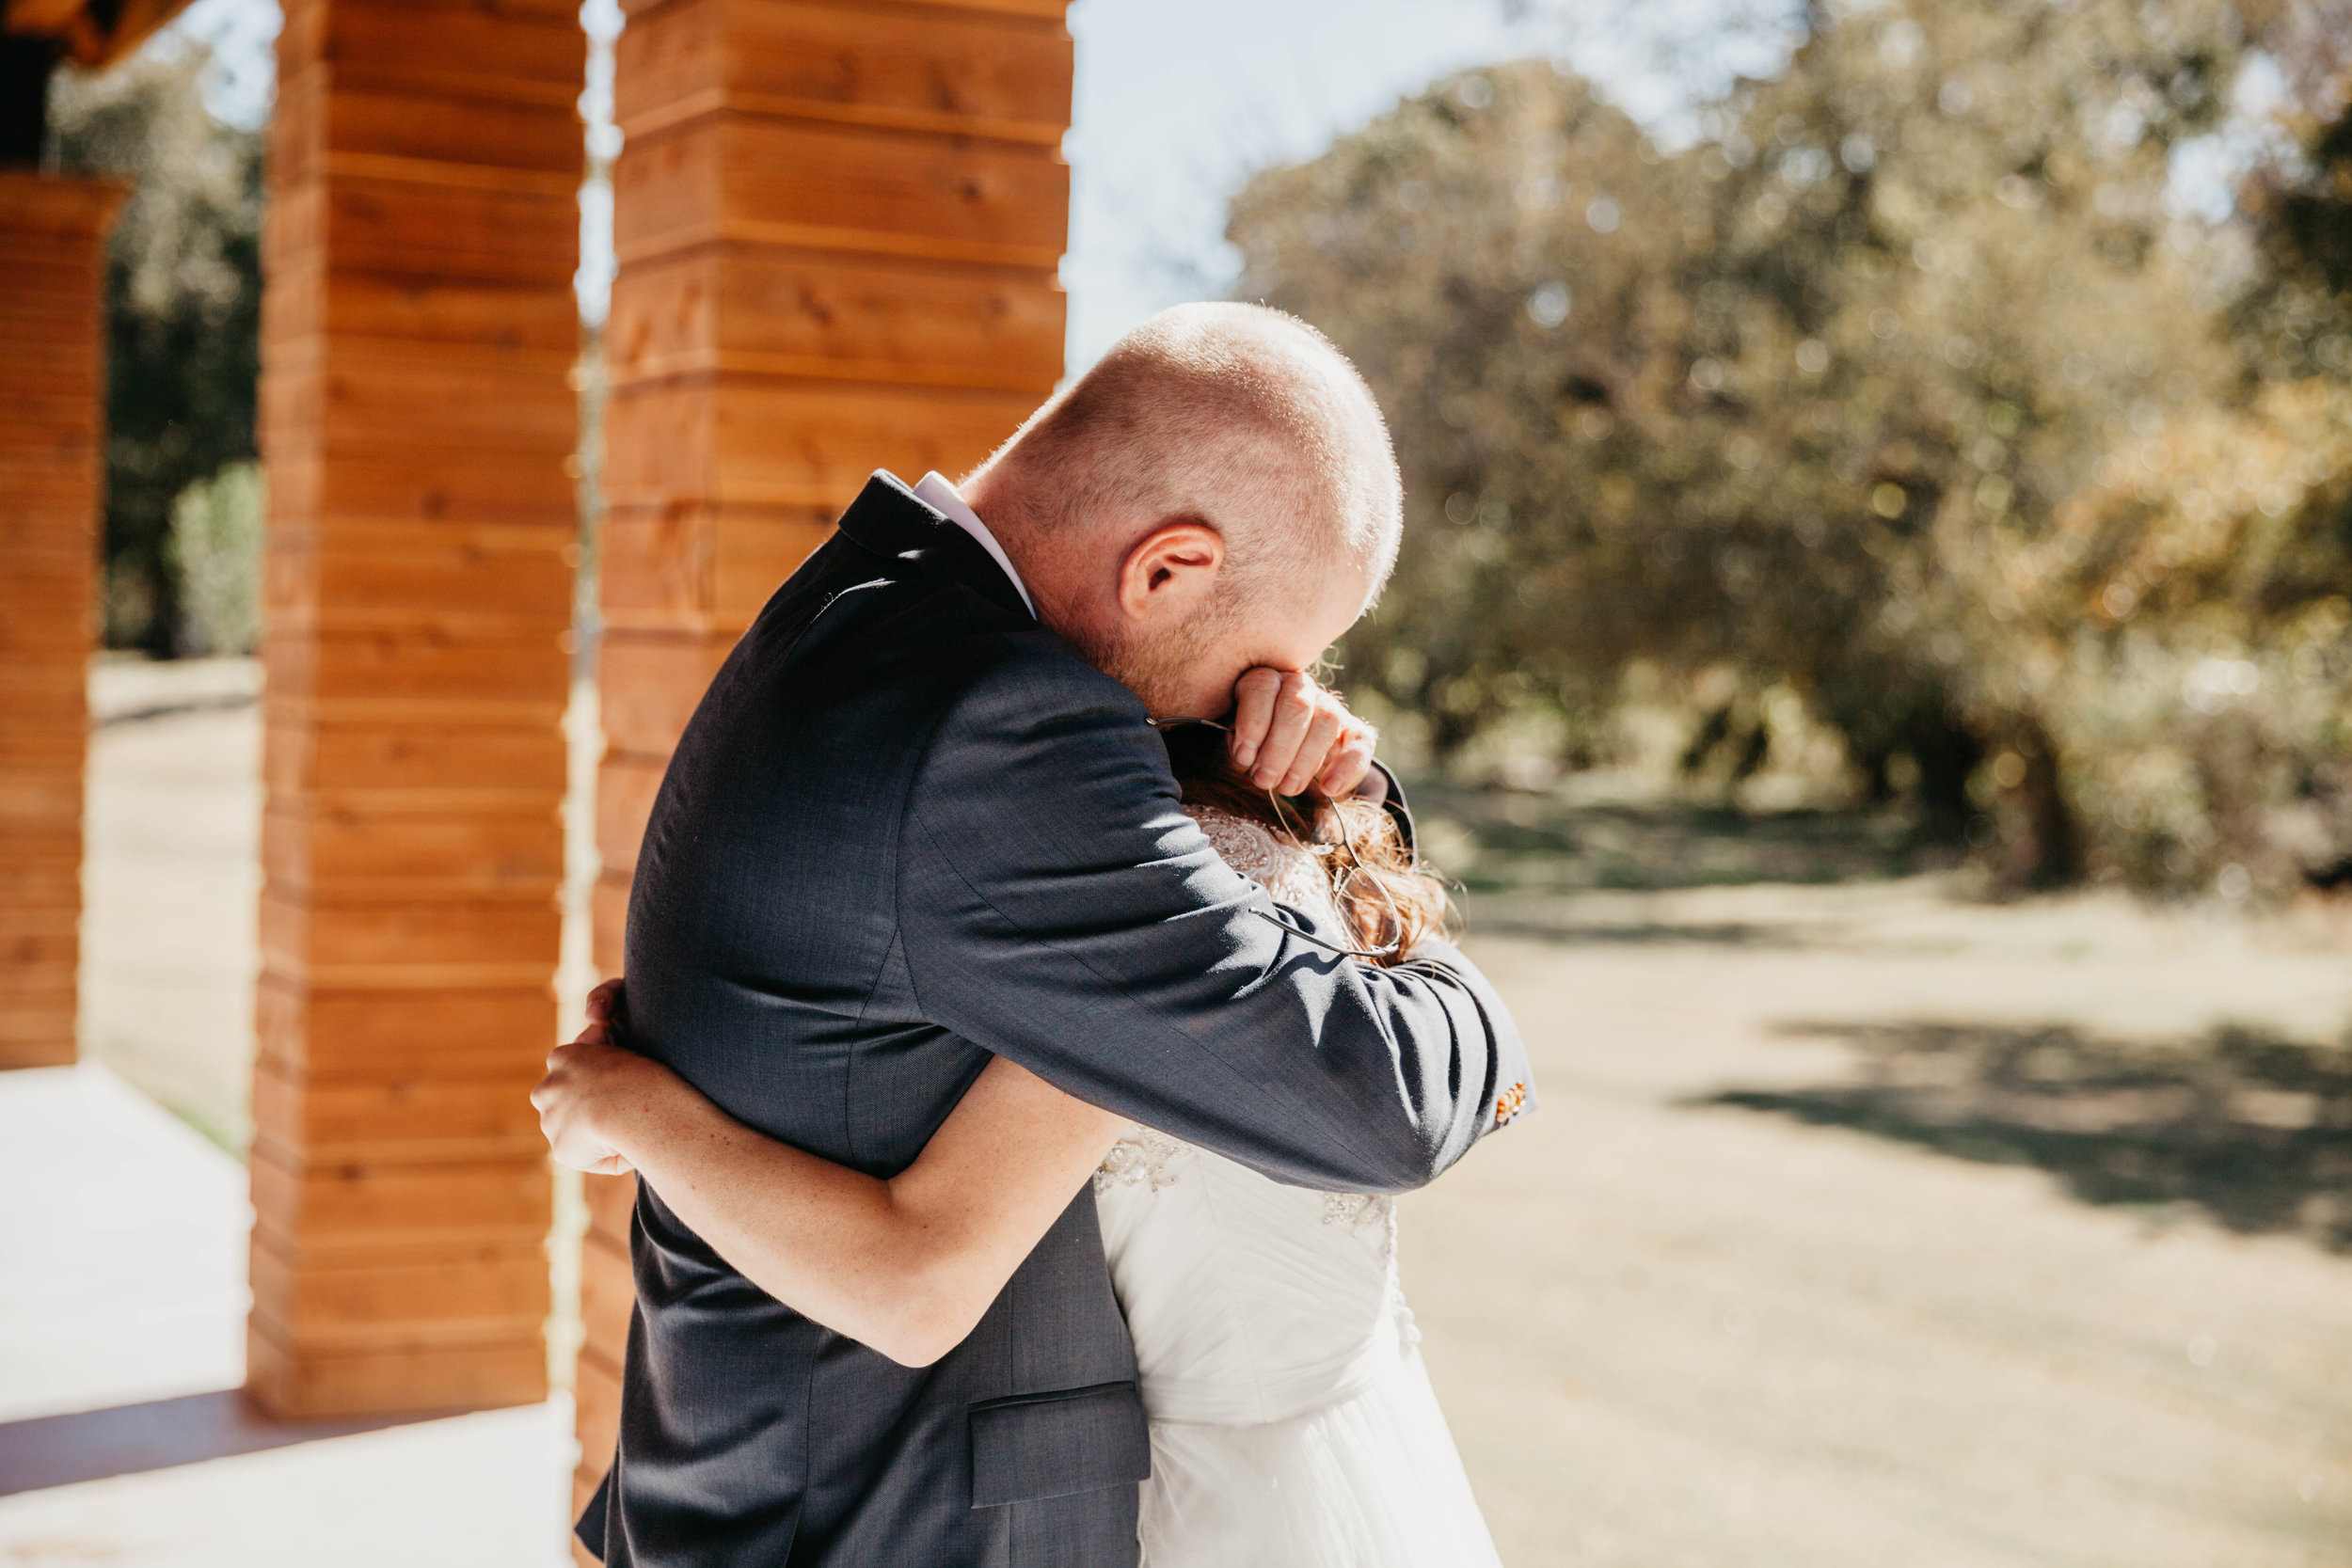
(123, 1440)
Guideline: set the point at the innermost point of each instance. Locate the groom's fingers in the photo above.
(1294, 713)
(1289, 732)
(1350, 763)
(1314, 748)
(1253, 712)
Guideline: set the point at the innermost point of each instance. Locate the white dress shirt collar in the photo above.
(936, 493)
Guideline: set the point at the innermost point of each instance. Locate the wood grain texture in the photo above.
(415, 313)
(328, 938)
(758, 310)
(52, 233)
(607, 918)
(596, 1395)
(339, 476)
(351, 1034)
(611, 1201)
(350, 1211)
(392, 1373)
(702, 571)
(845, 187)
(526, 667)
(416, 418)
(381, 849)
(763, 442)
(440, 583)
(626, 786)
(378, 222)
(447, 765)
(1033, 12)
(449, 1294)
(964, 73)
(656, 681)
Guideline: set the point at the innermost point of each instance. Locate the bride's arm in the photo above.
(906, 1266)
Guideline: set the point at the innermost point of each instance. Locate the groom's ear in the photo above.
(1171, 571)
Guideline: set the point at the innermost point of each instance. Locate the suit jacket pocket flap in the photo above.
(1035, 1446)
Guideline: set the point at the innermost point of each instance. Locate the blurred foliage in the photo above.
(2293, 315)
(183, 289)
(2184, 620)
(1899, 389)
(215, 554)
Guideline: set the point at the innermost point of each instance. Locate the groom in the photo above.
(922, 816)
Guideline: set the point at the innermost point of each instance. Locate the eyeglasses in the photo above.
(1305, 836)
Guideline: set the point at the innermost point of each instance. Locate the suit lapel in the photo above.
(887, 520)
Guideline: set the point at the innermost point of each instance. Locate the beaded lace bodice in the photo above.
(1283, 867)
(1246, 1299)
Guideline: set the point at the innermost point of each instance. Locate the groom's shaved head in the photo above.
(1237, 415)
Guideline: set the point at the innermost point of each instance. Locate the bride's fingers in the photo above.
(603, 999)
(571, 1140)
(548, 1094)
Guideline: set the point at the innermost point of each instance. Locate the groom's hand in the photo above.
(1289, 732)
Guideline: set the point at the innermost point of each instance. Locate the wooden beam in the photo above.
(52, 323)
(838, 228)
(416, 416)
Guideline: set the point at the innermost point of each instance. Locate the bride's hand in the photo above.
(594, 1089)
(1290, 733)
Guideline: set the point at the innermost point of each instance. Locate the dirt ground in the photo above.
(1866, 1225)
(171, 874)
(1861, 1223)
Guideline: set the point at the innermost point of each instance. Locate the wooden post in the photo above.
(418, 329)
(52, 310)
(839, 230)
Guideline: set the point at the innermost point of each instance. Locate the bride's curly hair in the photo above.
(1390, 900)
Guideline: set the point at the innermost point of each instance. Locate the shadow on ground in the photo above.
(1500, 841)
(2253, 1128)
(1498, 919)
(92, 1445)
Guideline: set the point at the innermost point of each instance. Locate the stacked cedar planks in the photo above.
(419, 332)
(51, 418)
(838, 228)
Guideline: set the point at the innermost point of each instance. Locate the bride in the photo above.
(1293, 1423)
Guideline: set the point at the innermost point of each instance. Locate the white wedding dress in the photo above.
(1292, 1424)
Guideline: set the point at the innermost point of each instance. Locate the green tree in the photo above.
(1772, 402)
(215, 557)
(184, 283)
(2185, 625)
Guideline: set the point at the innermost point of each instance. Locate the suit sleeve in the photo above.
(1058, 908)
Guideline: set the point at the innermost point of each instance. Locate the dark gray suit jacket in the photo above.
(908, 828)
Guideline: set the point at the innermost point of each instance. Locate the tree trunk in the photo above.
(2042, 845)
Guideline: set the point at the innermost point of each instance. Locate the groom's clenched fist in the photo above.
(1289, 732)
